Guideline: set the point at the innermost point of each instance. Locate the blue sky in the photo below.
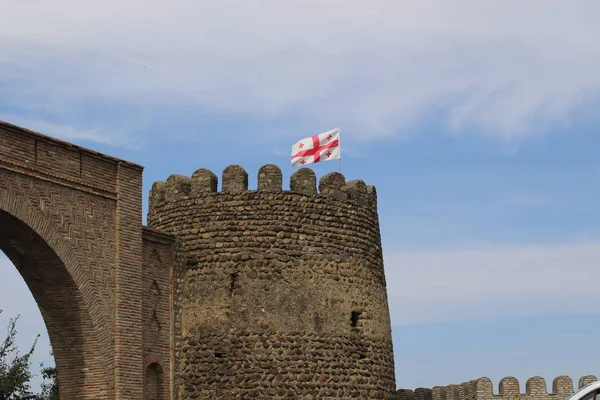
(476, 121)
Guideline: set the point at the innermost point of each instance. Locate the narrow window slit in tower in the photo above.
(354, 318)
(233, 284)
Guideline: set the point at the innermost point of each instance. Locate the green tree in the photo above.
(50, 384)
(15, 369)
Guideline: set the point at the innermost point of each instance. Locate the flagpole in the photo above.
(340, 144)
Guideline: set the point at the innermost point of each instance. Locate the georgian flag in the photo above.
(322, 147)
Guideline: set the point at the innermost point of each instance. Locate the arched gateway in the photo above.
(71, 223)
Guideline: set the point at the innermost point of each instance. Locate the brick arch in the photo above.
(153, 359)
(154, 380)
(63, 292)
(71, 222)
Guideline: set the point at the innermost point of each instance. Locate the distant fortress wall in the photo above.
(508, 389)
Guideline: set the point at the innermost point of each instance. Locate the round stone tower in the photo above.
(283, 295)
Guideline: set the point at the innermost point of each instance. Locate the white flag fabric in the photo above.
(322, 147)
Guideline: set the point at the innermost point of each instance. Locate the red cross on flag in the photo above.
(322, 147)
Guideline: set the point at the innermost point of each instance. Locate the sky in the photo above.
(476, 121)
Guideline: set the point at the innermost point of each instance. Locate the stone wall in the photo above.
(417, 394)
(284, 294)
(508, 389)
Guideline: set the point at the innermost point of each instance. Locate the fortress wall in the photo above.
(58, 160)
(508, 389)
(161, 263)
(284, 293)
(417, 394)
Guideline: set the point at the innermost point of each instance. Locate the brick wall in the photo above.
(129, 373)
(159, 252)
(70, 220)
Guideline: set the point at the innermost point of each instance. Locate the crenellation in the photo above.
(404, 394)
(562, 385)
(333, 185)
(471, 390)
(372, 193)
(204, 181)
(177, 187)
(459, 392)
(157, 194)
(586, 380)
(304, 181)
(357, 191)
(438, 393)
(270, 178)
(235, 179)
(484, 388)
(536, 386)
(422, 394)
(202, 187)
(453, 393)
(509, 387)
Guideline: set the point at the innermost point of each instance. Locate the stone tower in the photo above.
(283, 294)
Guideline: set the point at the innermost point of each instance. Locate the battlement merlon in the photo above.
(204, 182)
(508, 388)
(417, 394)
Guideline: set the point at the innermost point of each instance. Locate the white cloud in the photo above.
(492, 281)
(508, 68)
(70, 133)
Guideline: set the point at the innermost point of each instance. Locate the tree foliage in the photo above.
(15, 371)
(50, 385)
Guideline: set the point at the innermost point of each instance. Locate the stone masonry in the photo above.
(283, 295)
(508, 389)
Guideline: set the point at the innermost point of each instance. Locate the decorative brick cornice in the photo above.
(39, 136)
(56, 179)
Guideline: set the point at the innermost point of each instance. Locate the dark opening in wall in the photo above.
(153, 389)
(354, 318)
(218, 354)
(233, 284)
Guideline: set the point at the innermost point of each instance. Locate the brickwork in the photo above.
(71, 330)
(159, 252)
(508, 389)
(283, 294)
(70, 221)
(64, 220)
(129, 377)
